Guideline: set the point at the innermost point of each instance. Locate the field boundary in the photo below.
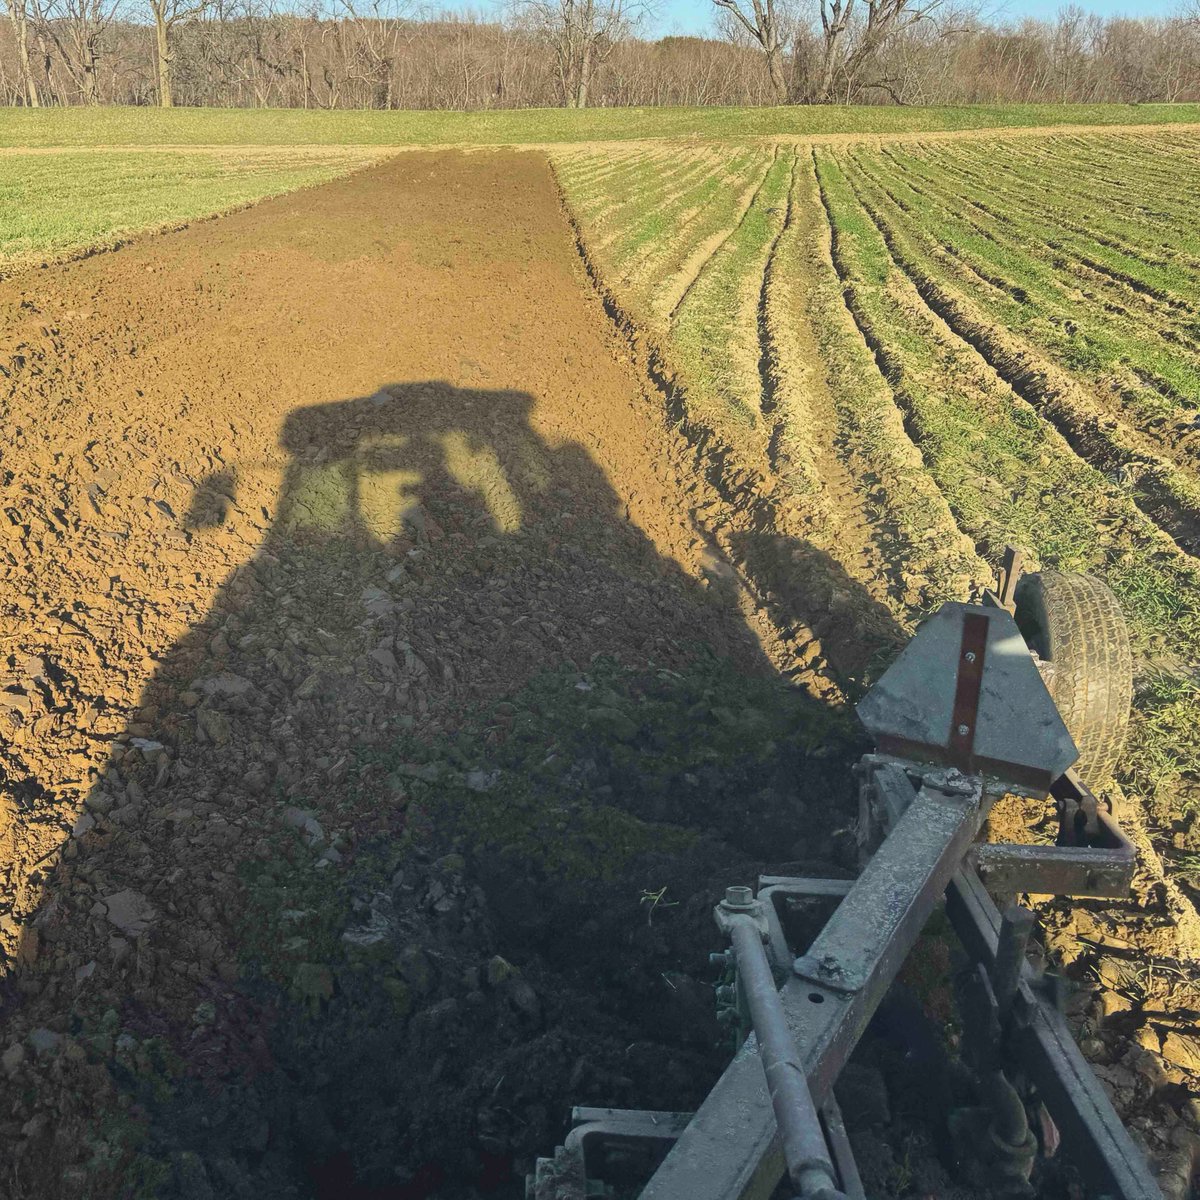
(584, 145)
(118, 239)
(513, 127)
(749, 509)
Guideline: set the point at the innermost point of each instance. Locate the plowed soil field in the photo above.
(291, 500)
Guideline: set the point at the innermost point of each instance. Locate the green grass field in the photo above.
(56, 204)
(291, 127)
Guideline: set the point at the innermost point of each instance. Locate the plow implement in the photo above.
(987, 701)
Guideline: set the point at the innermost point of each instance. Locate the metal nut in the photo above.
(739, 896)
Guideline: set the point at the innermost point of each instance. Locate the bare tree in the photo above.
(300, 53)
(582, 33)
(835, 19)
(852, 37)
(20, 23)
(373, 47)
(77, 29)
(765, 25)
(167, 14)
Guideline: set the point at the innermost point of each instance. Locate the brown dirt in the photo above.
(195, 357)
(281, 489)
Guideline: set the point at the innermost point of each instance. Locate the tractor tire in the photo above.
(1075, 626)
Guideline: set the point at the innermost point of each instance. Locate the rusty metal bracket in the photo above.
(1012, 567)
(964, 716)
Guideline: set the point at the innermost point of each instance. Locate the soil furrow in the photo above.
(1165, 494)
(920, 537)
(676, 290)
(833, 619)
(608, 214)
(641, 277)
(1125, 388)
(1154, 297)
(770, 357)
(744, 517)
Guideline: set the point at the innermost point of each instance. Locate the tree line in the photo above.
(377, 54)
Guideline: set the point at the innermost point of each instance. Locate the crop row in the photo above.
(932, 362)
(1124, 325)
(647, 216)
(1016, 332)
(746, 310)
(1010, 475)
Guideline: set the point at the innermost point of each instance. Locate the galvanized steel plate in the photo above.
(1017, 736)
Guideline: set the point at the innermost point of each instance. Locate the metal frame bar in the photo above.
(1093, 1135)
(1092, 858)
(839, 1146)
(731, 1151)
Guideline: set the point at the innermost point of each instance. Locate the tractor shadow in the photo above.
(412, 841)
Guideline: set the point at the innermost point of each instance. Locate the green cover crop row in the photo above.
(998, 340)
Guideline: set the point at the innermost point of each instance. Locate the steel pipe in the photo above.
(809, 1165)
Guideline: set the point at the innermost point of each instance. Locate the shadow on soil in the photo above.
(805, 586)
(414, 840)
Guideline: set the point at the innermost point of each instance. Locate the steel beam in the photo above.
(730, 1149)
(1093, 1135)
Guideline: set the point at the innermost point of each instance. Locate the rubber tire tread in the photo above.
(1076, 623)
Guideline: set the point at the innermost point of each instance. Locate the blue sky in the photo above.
(695, 16)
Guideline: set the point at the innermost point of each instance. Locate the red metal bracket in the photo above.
(965, 714)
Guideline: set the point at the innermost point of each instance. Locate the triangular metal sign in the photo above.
(966, 692)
